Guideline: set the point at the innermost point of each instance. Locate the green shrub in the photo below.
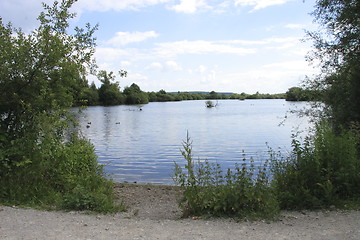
(44, 74)
(321, 172)
(60, 175)
(207, 190)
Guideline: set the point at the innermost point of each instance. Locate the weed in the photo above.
(208, 190)
(320, 172)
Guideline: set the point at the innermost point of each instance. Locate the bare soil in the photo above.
(153, 214)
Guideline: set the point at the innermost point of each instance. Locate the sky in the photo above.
(192, 45)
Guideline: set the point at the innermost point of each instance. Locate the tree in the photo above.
(212, 95)
(324, 170)
(134, 95)
(134, 88)
(162, 96)
(39, 72)
(90, 95)
(109, 92)
(41, 75)
(300, 94)
(337, 50)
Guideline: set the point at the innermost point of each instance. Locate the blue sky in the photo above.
(193, 45)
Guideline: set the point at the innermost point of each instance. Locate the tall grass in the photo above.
(322, 171)
(318, 173)
(208, 190)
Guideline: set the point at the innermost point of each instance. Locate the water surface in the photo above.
(141, 143)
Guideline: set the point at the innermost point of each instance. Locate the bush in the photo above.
(137, 98)
(207, 190)
(134, 95)
(320, 172)
(60, 175)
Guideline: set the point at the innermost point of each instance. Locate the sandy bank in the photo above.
(153, 214)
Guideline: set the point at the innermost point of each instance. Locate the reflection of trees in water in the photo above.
(107, 116)
(116, 122)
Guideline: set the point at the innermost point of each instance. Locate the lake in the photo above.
(141, 143)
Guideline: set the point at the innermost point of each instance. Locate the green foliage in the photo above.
(38, 74)
(90, 96)
(62, 175)
(207, 190)
(324, 170)
(162, 96)
(343, 96)
(236, 96)
(109, 92)
(82, 180)
(320, 172)
(42, 74)
(212, 95)
(300, 94)
(338, 54)
(134, 95)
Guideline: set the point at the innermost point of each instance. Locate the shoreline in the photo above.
(153, 213)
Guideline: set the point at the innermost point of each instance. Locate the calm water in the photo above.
(142, 145)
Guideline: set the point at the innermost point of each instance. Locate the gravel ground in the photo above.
(153, 214)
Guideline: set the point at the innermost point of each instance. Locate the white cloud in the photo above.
(209, 77)
(22, 13)
(104, 54)
(116, 5)
(222, 7)
(155, 66)
(123, 38)
(266, 41)
(244, 42)
(202, 68)
(125, 63)
(167, 66)
(271, 77)
(291, 67)
(199, 47)
(283, 46)
(295, 26)
(259, 4)
(172, 66)
(189, 6)
(136, 76)
(264, 80)
(279, 64)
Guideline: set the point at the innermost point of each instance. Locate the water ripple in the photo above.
(142, 145)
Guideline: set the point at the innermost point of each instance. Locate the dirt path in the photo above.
(153, 214)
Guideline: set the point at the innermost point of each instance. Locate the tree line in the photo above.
(109, 93)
